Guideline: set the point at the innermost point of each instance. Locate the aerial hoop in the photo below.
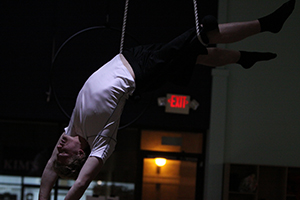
(78, 57)
(53, 63)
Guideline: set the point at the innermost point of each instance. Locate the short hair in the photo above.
(72, 169)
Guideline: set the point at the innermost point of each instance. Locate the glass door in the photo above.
(174, 180)
(181, 175)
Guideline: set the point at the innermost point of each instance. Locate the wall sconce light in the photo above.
(160, 161)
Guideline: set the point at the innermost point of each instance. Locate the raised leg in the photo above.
(236, 31)
(233, 32)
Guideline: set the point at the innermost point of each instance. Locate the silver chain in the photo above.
(124, 26)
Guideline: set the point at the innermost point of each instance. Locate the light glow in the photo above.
(160, 161)
(99, 182)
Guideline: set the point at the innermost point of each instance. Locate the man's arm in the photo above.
(88, 172)
(48, 179)
(49, 176)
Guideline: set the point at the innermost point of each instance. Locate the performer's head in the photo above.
(70, 158)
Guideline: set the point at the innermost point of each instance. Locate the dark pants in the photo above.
(156, 64)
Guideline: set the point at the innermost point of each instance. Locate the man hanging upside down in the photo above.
(90, 137)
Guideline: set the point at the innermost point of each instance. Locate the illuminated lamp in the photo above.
(160, 161)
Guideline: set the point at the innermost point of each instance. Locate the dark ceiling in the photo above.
(33, 31)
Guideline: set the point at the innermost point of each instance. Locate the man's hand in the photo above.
(88, 172)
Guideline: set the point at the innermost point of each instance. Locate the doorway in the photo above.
(181, 175)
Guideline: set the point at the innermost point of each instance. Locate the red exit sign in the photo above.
(178, 104)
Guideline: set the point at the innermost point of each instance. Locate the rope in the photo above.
(196, 18)
(124, 26)
(197, 21)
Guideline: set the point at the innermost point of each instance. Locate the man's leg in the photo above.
(219, 57)
(236, 31)
(233, 32)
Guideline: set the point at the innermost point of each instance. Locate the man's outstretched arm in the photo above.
(48, 179)
(49, 176)
(88, 172)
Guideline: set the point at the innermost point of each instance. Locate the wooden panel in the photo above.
(182, 141)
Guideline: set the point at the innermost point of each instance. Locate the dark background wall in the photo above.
(33, 31)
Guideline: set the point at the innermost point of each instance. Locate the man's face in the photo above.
(67, 147)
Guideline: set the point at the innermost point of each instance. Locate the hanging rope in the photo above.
(197, 21)
(196, 18)
(124, 26)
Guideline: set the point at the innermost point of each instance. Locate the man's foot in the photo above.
(274, 21)
(248, 59)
